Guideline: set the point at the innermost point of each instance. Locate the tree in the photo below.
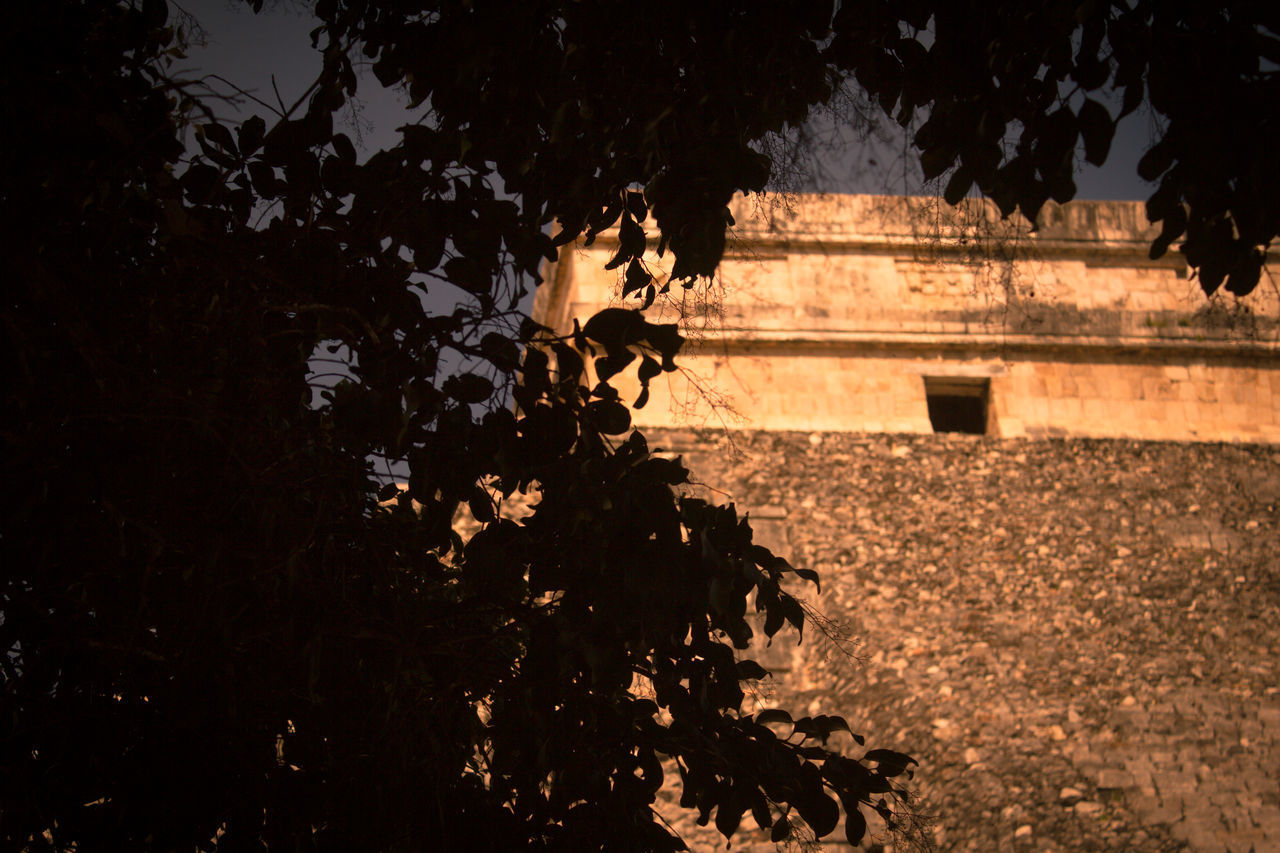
(222, 629)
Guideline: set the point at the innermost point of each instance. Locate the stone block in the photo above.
(1249, 841)
(1175, 782)
(1267, 820)
(1113, 778)
(1162, 810)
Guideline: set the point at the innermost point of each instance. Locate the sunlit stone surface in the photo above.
(831, 311)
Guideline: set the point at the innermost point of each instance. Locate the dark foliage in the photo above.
(1011, 92)
(221, 630)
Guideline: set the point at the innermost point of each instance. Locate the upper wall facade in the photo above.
(891, 314)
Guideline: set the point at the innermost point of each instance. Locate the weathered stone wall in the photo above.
(828, 314)
(1072, 393)
(1078, 639)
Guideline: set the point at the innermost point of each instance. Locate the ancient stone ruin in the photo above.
(1039, 474)
(902, 315)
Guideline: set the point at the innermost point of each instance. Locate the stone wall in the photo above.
(1078, 639)
(1078, 393)
(827, 314)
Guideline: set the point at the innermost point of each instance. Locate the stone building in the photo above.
(880, 314)
(1068, 606)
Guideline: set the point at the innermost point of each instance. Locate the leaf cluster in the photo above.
(1014, 94)
(222, 628)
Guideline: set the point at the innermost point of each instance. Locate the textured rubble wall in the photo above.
(1078, 639)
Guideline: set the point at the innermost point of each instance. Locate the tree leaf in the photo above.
(855, 826)
(773, 715)
(637, 278)
(251, 132)
(1245, 275)
(220, 136)
(810, 575)
(263, 178)
(468, 388)
(468, 274)
(958, 186)
(481, 505)
(608, 366)
(569, 365)
(749, 670)
(1156, 161)
(818, 810)
(1097, 129)
(343, 148)
(729, 814)
(890, 763)
(615, 327)
(609, 416)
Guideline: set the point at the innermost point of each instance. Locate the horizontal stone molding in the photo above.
(846, 342)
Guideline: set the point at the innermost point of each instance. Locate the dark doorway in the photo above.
(957, 403)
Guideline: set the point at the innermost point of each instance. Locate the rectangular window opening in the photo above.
(958, 403)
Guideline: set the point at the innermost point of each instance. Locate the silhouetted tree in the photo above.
(222, 629)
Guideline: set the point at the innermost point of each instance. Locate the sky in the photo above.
(250, 49)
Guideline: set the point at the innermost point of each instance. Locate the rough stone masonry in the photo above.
(1071, 616)
(1079, 639)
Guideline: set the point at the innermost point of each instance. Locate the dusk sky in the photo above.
(248, 49)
